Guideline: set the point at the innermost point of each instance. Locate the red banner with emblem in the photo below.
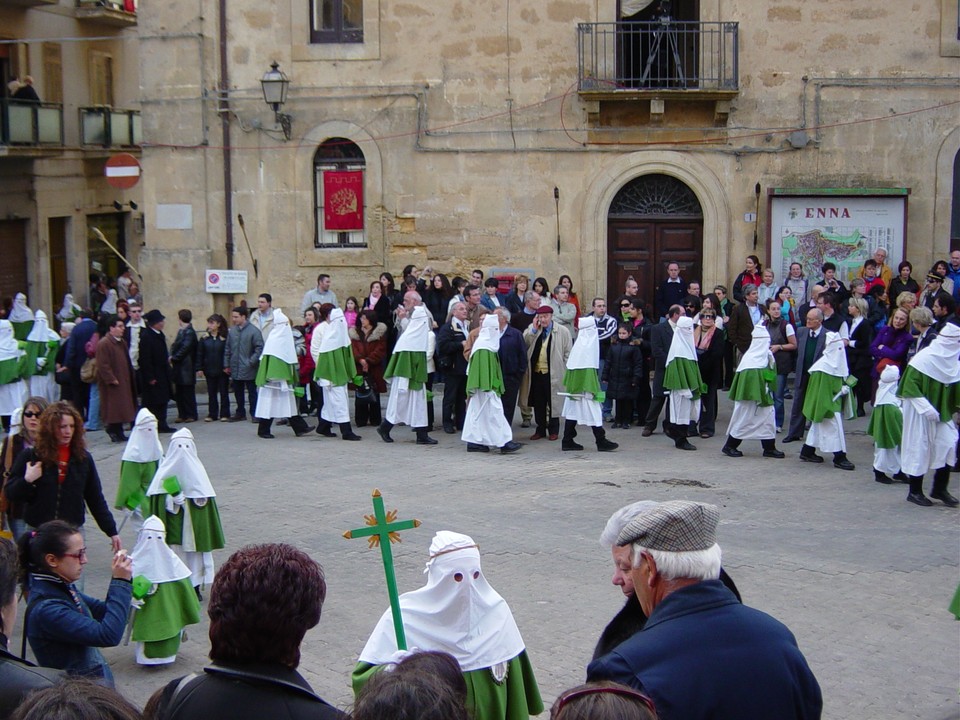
(342, 200)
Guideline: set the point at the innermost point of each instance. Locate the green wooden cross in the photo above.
(382, 529)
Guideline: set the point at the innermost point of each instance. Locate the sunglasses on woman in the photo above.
(31, 414)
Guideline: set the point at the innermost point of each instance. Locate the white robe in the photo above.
(275, 400)
(336, 403)
(749, 421)
(45, 386)
(405, 405)
(886, 460)
(12, 397)
(827, 435)
(926, 444)
(484, 423)
(586, 411)
(683, 408)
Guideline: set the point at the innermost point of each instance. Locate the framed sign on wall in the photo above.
(844, 226)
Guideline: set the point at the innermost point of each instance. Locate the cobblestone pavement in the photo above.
(860, 576)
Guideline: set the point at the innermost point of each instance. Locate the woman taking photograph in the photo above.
(64, 626)
(23, 435)
(57, 478)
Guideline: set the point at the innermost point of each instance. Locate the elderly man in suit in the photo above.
(810, 342)
(661, 337)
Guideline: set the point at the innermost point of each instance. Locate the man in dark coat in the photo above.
(744, 664)
(76, 356)
(661, 336)
(241, 359)
(513, 363)
(155, 369)
(115, 380)
(450, 341)
(810, 342)
(672, 290)
(182, 357)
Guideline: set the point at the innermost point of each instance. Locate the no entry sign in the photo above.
(122, 171)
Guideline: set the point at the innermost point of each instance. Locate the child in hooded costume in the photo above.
(584, 398)
(21, 317)
(485, 423)
(407, 402)
(683, 383)
(278, 380)
(828, 393)
(930, 389)
(163, 596)
(139, 463)
(886, 427)
(12, 388)
(335, 369)
(182, 496)
(41, 347)
(753, 415)
(459, 613)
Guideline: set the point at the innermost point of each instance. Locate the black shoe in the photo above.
(351, 436)
(774, 454)
(811, 458)
(647, 431)
(683, 444)
(901, 478)
(449, 430)
(306, 431)
(427, 440)
(237, 418)
(731, 452)
(281, 421)
(166, 429)
(510, 447)
(945, 497)
(604, 445)
(571, 445)
(844, 464)
(790, 439)
(919, 499)
(266, 436)
(882, 478)
(384, 433)
(474, 447)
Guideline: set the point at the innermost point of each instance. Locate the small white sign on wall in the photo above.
(174, 217)
(231, 282)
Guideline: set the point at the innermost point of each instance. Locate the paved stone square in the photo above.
(860, 576)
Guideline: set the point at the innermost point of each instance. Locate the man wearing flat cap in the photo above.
(548, 347)
(702, 654)
(155, 369)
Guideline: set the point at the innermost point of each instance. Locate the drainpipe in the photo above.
(224, 86)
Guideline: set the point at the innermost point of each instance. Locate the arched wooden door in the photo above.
(653, 220)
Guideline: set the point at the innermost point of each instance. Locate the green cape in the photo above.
(273, 368)
(135, 478)
(582, 380)
(49, 352)
(886, 426)
(409, 364)
(22, 329)
(164, 614)
(337, 366)
(10, 370)
(207, 530)
(484, 373)
(754, 385)
(818, 402)
(684, 374)
(945, 398)
(28, 361)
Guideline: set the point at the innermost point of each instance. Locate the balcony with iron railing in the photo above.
(25, 124)
(117, 13)
(110, 127)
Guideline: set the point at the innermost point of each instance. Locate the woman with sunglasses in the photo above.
(65, 627)
(709, 342)
(23, 435)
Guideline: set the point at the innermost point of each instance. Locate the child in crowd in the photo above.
(621, 372)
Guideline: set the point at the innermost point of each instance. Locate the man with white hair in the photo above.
(683, 384)
(827, 395)
(702, 654)
(930, 389)
(277, 379)
(583, 394)
(407, 402)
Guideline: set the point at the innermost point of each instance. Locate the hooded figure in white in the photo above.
(929, 431)
(684, 407)
(139, 462)
(754, 419)
(21, 316)
(407, 372)
(335, 369)
(276, 398)
(459, 613)
(13, 390)
(181, 494)
(167, 602)
(886, 426)
(70, 311)
(583, 397)
(44, 352)
(826, 434)
(484, 423)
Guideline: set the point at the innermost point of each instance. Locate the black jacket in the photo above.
(210, 353)
(183, 355)
(859, 358)
(622, 370)
(154, 366)
(512, 353)
(450, 350)
(18, 678)
(48, 500)
(244, 692)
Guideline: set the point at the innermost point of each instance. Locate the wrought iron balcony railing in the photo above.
(658, 55)
(110, 127)
(30, 123)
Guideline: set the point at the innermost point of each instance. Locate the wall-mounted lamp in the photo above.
(275, 85)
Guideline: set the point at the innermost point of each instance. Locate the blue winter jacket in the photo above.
(65, 629)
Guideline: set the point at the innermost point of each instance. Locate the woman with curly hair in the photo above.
(57, 478)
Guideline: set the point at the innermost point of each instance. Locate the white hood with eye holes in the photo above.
(456, 612)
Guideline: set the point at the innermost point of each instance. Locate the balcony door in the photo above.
(657, 47)
(653, 220)
(13, 250)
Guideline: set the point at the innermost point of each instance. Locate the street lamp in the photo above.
(275, 84)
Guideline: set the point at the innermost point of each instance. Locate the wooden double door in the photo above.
(643, 248)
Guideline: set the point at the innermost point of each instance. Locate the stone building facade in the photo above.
(664, 136)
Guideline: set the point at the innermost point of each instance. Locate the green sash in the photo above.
(409, 364)
(273, 368)
(337, 366)
(886, 426)
(684, 374)
(484, 373)
(945, 398)
(754, 385)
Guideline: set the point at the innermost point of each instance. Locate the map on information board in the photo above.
(844, 230)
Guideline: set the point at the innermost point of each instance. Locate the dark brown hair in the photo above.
(407, 696)
(602, 701)
(76, 699)
(263, 601)
(51, 538)
(47, 447)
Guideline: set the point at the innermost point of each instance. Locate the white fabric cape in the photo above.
(20, 312)
(939, 359)
(335, 335)
(682, 346)
(41, 332)
(834, 358)
(827, 435)
(181, 460)
(279, 342)
(585, 352)
(484, 423)
(887, 388)
(144, 443)
(70, 308)
(758, 355)
(336, 403)
(153, 558)
(276, 399)
(8, 343)
(109, 306)
(415, 337)
(489, 336)
(467, 619)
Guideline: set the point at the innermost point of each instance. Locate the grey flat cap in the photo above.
(675, 526)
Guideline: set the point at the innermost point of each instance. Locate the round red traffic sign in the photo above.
(122, 171)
